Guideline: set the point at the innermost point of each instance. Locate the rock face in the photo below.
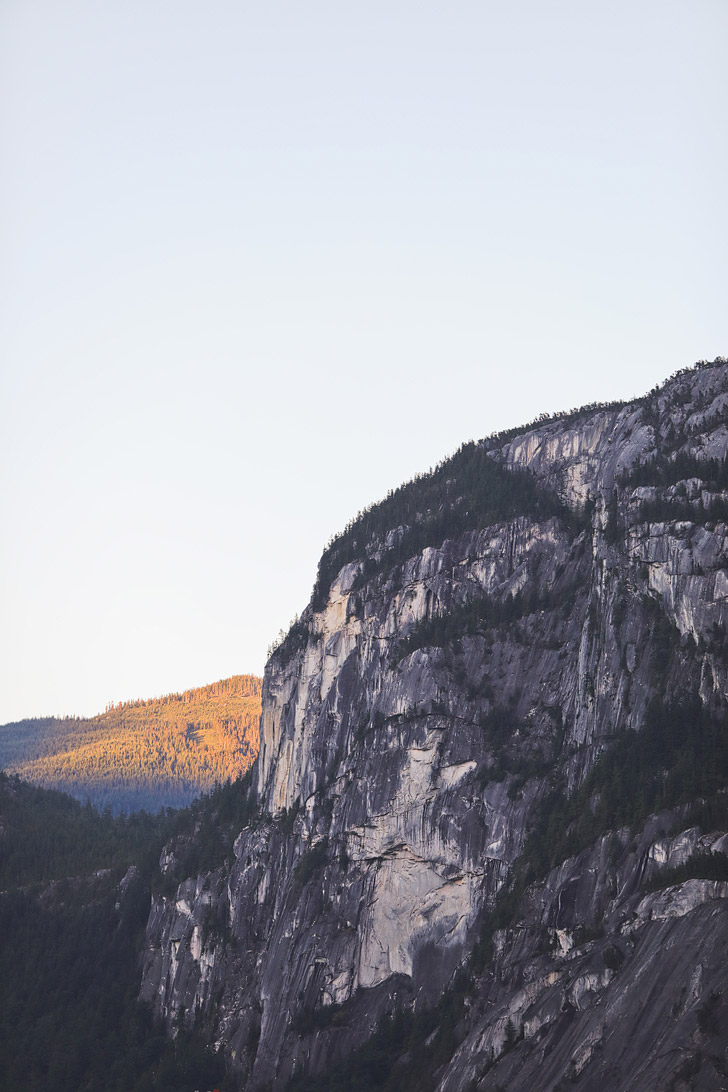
(416, 722)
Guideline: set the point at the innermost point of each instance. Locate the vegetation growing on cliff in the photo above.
(475, 616)
(580, 413)
(667, 509)
(464, 493)
(699, 866)
(679, 756)
(662, 470)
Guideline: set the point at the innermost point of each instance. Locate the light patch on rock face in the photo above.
(410, 900)
(415, 778)
(286, 764)
(719, 844)
(720, 589)
(684, 570)
(280, 792)
(498, 823)
(333, 619)
(585, 986)
(564, 940)
(261, 893)
(659, 852)
(338, 988)
(673, 852)
(448, 776)
(682, 847)
(337, 649)
(590, 453)
(584, 1054)
(676, 902)
(521, 1013)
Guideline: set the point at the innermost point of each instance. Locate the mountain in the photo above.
(490, 842)
(142, 754)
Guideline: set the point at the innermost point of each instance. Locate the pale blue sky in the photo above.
(260, 262)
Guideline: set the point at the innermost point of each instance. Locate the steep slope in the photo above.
(501, 664)
(142, 754)
(74, 899)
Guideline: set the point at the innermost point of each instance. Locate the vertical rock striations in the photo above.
(473, 646)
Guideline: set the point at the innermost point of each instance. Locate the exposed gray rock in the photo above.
(398, 788)
(623, 1010)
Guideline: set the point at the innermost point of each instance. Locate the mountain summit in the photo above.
(490, 845)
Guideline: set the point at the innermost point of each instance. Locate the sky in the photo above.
(261, 262)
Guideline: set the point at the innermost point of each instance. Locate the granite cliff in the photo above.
(489, 845)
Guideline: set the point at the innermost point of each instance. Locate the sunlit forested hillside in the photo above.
(142, 754)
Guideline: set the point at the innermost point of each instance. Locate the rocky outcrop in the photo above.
(599, 982)
(414, 723)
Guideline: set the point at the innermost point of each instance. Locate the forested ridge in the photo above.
(147, 754)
